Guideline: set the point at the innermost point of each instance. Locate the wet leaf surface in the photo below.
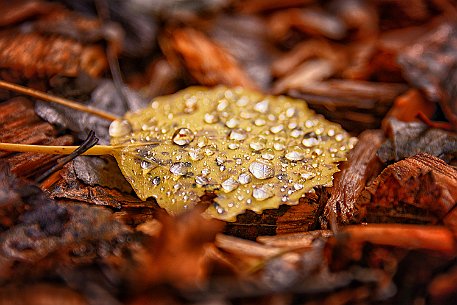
(255, 152)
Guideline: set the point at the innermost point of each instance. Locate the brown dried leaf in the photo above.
(178, 255)
(246, 39)
(33, 54)
(205, 61)
(408, 105)
(431, 65)
(408, 139)
(18, 11)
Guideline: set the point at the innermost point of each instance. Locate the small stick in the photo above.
(433, 124)
(435, 238)
(90, 141)
(58, 100)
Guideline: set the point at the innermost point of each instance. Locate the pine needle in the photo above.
(58, 100)
(97, 150)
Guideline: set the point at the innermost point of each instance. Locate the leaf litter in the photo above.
(388, 263)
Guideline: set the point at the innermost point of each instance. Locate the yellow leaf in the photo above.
(255, 152)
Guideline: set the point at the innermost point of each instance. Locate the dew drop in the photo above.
(309, 124)
(202, 142)
(210, 150)
(318, 151)
(244, 178)
(246, 115)
(296, 133)
(201, 180)
(292, 125)
(262, 106)
(119, 128)
(205, 171)
(145, 164)
(258, 144)
(290, 112)
(268, 154)
(238, 134)
(259, 122)
(222, 105)
(230, 185)
(220, 160)
(211, 118)
(279, 146)
(307, 176)
(242, 101)
(232, 123)
(196, 154)
(179, 168)
(220, 210)
(339, 137)
(295, 155)
(262, 170)
(233, 146)
(183, 136)
(310, 142)
(319, 131)
(190, 104)
(156, 180)
(277, 128)
(262, 193)
(298, 186)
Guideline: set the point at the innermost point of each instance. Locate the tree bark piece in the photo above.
(20, 124)
(349, 184)
(420, 189)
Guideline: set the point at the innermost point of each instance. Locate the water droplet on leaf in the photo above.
(262, 169)
(183, 136)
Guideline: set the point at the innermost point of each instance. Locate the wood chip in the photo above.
(350, 182)
(421, 188)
